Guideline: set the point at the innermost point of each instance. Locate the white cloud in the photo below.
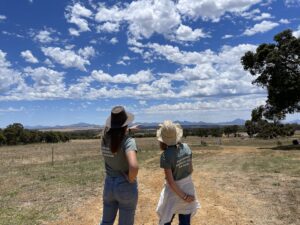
(47, 84)
(121, 62)
(143, 102)
(208, 73)
(296, 33)
(236, 103)
(12, 109)
(69, 58)
(284, 21)
(76, 14)
(262, 27)
(108, 27)
(185, 33)
(250, 14)
(9, 78)
(87, 52)
(44, 36)
(28, 56)
(292, 3)
(213, 10)
(43, 76)
(146, 17)
(143, 76)
(114, 40)
(2, 17)
(263, 16)
(227, 36)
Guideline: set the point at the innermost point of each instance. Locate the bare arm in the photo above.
(133, 165)
(175, 188)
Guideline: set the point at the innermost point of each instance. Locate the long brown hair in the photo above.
(113, 137)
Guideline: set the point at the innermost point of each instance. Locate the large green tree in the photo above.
(277, 68)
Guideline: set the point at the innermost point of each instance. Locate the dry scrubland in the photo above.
(239, 181)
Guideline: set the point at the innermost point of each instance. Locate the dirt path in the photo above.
(226, 199)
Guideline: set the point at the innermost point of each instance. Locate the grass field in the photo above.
(240, 181)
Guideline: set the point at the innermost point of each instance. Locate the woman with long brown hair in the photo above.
(119, 151)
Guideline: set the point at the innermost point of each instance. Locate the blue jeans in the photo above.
(183, 219)
(119, 194)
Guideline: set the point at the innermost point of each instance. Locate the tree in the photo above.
(277, 67)
(13, 133)
(251, 128)
(2, 138)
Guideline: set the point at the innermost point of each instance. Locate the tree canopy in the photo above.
(277, 67)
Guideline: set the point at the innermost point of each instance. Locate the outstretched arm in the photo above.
(175, 188)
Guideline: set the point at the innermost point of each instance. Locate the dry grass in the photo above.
(245, 182)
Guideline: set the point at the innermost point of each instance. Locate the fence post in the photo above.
(52, 161)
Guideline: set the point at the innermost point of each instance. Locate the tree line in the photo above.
(15, 134)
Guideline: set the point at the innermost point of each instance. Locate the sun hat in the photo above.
(169, 133)
(119, 118)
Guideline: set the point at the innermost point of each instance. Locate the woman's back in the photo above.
(116, 164)
(178, 158)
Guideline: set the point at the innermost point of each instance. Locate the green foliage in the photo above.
(264, 129)
(276, 67)
(231, 130)
(15, 134)
(2, 138)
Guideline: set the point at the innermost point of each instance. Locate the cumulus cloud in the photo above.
(28, 56)
(296, 33)
(263, 16)
(69, 58)
(292, 3)
(47, 84)
(146, 17)
(143, 76)
(213, 10)
(185, 33)
(113, 41)
(108, 27)
(207, 73)
(236, 103)
(9, 77)
(262, 27)
(284, 21)
(44, 36)
(78, 14)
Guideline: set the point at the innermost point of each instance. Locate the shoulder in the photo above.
(186, 147)
(129, 143)
(168, 153)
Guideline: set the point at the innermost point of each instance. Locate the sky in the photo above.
(64, 62)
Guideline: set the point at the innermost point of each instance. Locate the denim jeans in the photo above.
(183, 219)
(119, 194)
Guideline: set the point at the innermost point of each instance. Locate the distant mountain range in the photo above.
(77, 126)
(87, 126)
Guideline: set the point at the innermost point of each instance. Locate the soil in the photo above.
(227, 198)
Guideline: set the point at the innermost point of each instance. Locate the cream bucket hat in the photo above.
(169, 133)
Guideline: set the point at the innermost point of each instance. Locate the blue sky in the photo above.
(63, 62)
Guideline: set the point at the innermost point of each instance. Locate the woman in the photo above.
(178, 195)
(119, 151)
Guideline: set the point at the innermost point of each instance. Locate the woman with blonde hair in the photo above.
(178, 195)
(119, 151)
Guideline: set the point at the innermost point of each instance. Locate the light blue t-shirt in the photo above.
(116, 164)
(178, 159)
